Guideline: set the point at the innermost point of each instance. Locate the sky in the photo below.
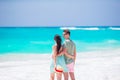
(59, 12)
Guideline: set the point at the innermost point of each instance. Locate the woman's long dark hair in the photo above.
(58, 40)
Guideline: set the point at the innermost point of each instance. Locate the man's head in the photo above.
(66, 34)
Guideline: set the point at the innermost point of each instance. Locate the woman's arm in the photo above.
(68, 55)
(54, 55)
(61, 52)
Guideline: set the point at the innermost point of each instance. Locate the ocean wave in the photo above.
(41, 42)
(90, 28)
(94, 46)
(113, 41)
(70, 28)
(100, 42)
(114, 28)
(77, 28)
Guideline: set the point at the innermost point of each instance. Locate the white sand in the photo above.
(100, 65)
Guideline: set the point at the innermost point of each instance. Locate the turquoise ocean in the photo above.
(39, 40)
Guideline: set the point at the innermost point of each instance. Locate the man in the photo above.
(71, 49)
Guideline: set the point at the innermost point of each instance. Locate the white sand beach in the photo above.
(99, 65)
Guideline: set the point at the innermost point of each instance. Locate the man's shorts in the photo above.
(70, 67)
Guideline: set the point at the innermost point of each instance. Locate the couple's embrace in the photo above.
(63, 57)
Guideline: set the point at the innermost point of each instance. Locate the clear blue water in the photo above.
(40, 39)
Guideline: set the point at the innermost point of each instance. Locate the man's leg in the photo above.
(71, 70)
(65, 75)
(72, 76)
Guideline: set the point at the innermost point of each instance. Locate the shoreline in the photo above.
(39, 56)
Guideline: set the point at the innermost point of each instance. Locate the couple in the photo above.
(63, 57)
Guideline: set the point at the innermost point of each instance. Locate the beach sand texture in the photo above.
(99, 65)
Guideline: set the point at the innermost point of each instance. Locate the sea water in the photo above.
(39, 40)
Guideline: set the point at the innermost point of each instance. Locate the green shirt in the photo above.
(70, 46)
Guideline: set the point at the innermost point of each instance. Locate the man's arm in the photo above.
(74, 53)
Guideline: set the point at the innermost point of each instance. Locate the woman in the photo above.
(58, 59)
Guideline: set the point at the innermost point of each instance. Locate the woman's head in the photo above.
(58, 41)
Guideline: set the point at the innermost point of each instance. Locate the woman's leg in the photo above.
(52, 75)
(59, 76)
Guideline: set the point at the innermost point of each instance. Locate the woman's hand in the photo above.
(52, 56)
(73, 57)
(70, 56)
(55, 66)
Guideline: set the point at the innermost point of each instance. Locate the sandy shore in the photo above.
(100, 65)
